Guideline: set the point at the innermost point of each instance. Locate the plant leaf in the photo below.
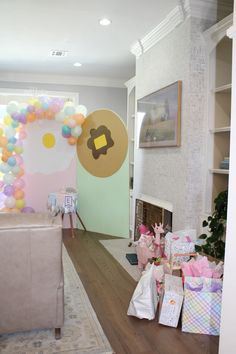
(203, 236)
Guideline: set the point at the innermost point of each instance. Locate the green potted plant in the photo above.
(214, 242)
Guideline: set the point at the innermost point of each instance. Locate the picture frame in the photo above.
(159, 117)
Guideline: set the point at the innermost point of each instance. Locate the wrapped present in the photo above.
(202, 305)
(144, 301)
(179, 243)
(202, 267)
(171, 301)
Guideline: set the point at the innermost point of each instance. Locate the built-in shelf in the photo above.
(132, 140)
(221, 130)
(223, 88)
(133, 116)
(131, 163)
(219, 171)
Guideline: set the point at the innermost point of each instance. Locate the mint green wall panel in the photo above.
(104, 201)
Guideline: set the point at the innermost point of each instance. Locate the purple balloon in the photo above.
(27, 210)
(30, 108)
(14, 115)
(8, 190)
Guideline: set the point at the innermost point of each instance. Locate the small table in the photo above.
(65, 203)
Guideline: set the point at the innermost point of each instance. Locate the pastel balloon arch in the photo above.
(12, 134)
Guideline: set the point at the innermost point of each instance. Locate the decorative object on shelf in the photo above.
(214, 243)
(159, 116)
(224, 164)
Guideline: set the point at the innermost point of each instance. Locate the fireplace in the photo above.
(149, 210)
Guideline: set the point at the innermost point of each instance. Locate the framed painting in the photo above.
(159, 116)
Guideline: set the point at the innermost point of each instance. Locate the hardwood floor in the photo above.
(110, 288)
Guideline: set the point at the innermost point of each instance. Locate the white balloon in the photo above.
(9, 132)
(76, 131)
(4, 167)
(12, 107)
(81, 109)
(59, 117)
(10, 202)
(8, 179)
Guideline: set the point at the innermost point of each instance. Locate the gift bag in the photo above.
(144, 300)
(171, 301)
(202, 305)
(178, 244)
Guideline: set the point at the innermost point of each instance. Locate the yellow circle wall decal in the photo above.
(49, 140)
(102, 146)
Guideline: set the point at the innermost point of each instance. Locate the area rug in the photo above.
(118, 249)
(81, 334)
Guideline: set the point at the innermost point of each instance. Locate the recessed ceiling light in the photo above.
(77, 64)
(105, 22)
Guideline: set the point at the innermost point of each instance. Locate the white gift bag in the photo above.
(144, 301)
(171, 301)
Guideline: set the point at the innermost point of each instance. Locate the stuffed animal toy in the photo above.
(148, 245)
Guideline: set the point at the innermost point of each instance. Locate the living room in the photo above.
(178, 47)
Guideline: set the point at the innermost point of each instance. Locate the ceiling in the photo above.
(30, 29)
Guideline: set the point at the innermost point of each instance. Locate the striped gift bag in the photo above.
(202, 305)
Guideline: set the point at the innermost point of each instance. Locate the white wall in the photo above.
(176, 174)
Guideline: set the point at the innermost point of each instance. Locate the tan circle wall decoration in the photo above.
(103, 144)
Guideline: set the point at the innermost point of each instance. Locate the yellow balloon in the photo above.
(65, 121)
(1, 131)
(68, 104)
(7, 120)
(18, 149)
(49, 140)
(20, 203)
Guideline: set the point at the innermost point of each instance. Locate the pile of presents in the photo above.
(177, 283)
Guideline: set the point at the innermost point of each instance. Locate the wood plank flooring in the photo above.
(110, 288)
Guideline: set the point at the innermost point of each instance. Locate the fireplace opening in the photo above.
(147, 212)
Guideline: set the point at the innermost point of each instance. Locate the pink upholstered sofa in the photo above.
(31, 273)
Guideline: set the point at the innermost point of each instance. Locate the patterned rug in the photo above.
(118, 249)
(81, 334)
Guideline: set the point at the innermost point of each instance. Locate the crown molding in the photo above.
(60, 79)
(231, 33)
(172, 20)
(130, 84)
(215, 33)
(202, 9)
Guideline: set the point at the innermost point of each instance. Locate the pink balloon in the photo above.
(22, 135)
(19, 159)
(1, 184)
(19, 183)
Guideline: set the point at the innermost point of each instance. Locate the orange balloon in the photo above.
(31, 117)
(6, 152)
(19, 194)
(79, 118)
(49, 115)
(3, 141)
(15, 210)
(6, 210)
(72, 140)
(4, 158)
(20, 173)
